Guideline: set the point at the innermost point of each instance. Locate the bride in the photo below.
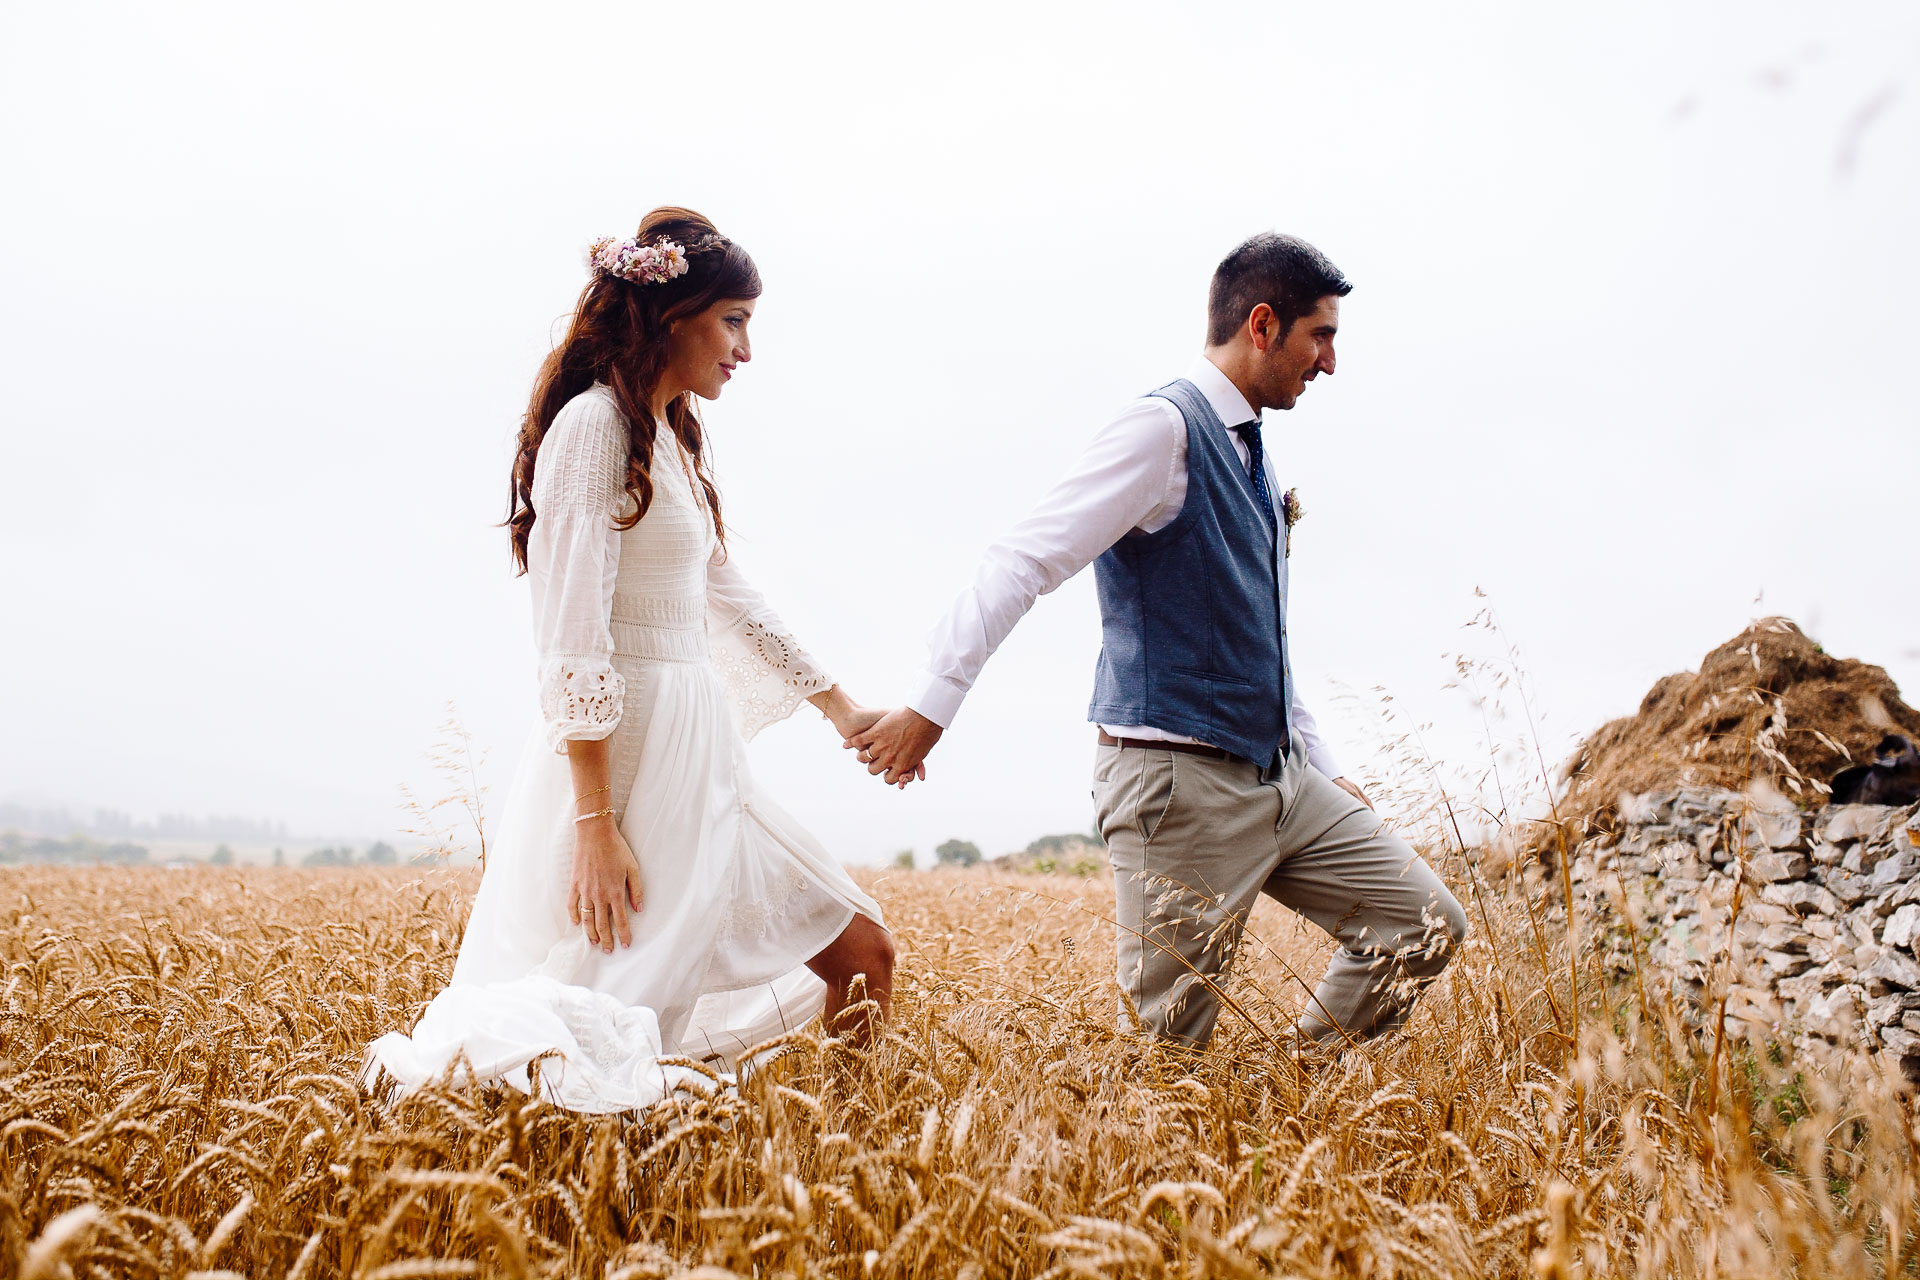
(645, 899)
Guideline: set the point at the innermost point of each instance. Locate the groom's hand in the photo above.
(1352, 788)
(897, 745)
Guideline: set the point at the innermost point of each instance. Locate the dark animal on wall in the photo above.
(1892, 778)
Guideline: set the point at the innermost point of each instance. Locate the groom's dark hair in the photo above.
(1285, 272)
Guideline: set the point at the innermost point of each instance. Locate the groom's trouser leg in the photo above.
(1194, 840)
(1396, 923)
(1191, 840)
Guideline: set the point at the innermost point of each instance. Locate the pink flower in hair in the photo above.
(639, 263)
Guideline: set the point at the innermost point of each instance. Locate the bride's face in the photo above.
(704, 349)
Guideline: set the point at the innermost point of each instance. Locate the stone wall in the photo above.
(1822, 947)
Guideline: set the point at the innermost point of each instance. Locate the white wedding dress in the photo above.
(651, 638)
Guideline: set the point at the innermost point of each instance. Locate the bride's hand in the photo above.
(606, 882)
(856, 719)
(846, 715)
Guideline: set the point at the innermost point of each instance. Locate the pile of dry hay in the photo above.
(1769, 708)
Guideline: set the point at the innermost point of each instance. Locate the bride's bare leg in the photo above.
(863, 950)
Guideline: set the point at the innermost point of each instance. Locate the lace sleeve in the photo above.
(767, 673)
(573, 554)
(581, 698)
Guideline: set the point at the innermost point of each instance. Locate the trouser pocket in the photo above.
(1133, 791)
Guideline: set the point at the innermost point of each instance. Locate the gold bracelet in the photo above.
(597, 814)
(596, 791)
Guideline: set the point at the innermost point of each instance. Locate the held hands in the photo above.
(853, 721)
(853, 718)
(896, 745)
(605, 884)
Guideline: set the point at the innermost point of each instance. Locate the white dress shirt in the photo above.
(1132, 476)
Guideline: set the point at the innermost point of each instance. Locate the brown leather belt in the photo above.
(1151, 744)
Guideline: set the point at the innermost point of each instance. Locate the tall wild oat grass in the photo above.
(177, 1098)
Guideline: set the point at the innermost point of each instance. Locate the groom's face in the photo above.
(1301, 355)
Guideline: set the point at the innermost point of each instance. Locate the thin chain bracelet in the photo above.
(598, 814)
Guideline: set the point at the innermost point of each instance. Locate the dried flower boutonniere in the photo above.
(1290, 514)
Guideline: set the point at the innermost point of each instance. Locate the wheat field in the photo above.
(178, 1097)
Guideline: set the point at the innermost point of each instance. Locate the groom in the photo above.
(1212, 783)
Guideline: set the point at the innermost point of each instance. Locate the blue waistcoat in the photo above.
(1193, 616)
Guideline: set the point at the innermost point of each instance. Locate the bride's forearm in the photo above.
(590, 764)
(847, 716)
(834, 703)
(604, 885)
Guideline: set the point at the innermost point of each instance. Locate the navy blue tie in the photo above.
(1256, 466)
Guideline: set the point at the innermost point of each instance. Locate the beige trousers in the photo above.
(1194, 840)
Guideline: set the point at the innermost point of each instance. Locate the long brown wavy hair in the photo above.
(618, 336)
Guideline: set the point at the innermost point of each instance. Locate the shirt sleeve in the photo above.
(1118, 483)
(767, 674)
(573, 556)
(1319, 755)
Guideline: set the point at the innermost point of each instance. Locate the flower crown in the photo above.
(655, 263)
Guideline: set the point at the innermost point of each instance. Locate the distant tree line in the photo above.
(1070, 842)
(1073, 851)
(168, 826)
(379, 854)
(957, 853)
(83, 849)
(78, 849)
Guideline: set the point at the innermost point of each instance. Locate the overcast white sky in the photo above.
(1632, 341)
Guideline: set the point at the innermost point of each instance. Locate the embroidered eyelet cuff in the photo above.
(766, 675)
(580, 700)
